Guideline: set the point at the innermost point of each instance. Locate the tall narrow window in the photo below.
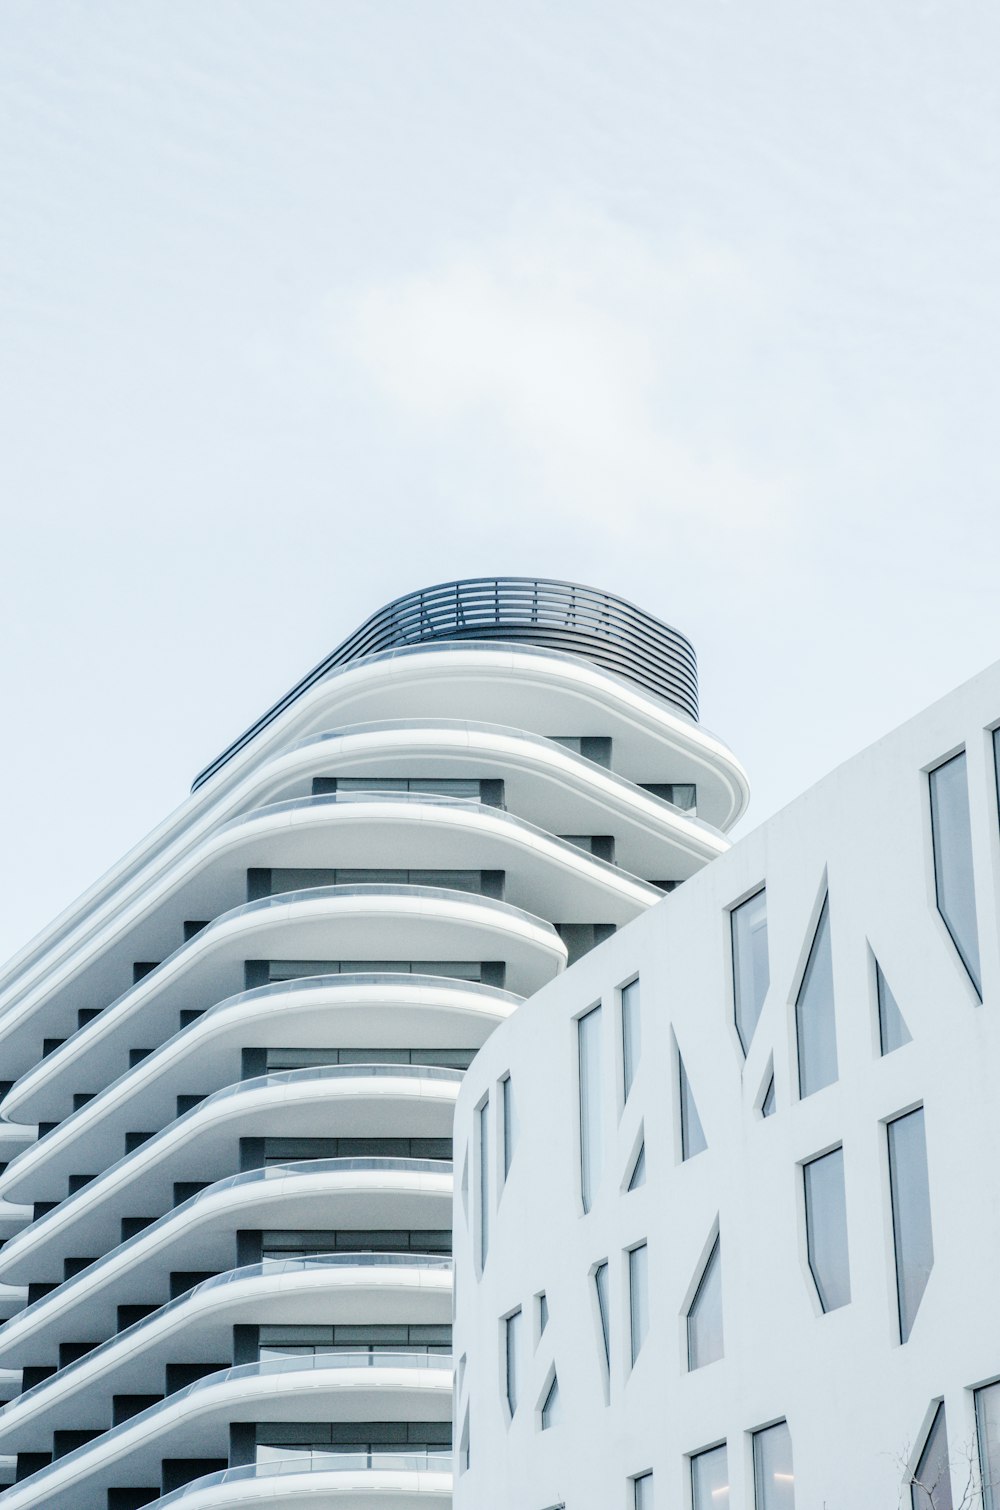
(911, 1215)
(704, 1318)
(892, 1029)
(484, 1182)
(543, 1312)
(638, 1175)
(631, 1033)
(638, 1297)
(509, 1124)
(512, 1337)
(601, 1286)
(815, 1024)
(551, 1408)
(710, 1479)
(826, 1229)
(769, 1104)
(693, 1138)
(951, 831)
(988, 1432)
(773, 1478)
(930, 1488)
(642, 1492)
(751, 975)
(591, 1124)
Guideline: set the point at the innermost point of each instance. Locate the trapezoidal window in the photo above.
(588, 1030)
(704, 1318)
(988, 1433)
(892, 1029)
(930, 1487)
(710, 1479)
(815, 1023)
(751, 971)
(631, 1034)
(951, 832)
(826, 1229)
(911, 1214)
(693, 1140)
(773, 1477)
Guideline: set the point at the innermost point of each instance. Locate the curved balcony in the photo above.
(405, 1480)
(197, 1235)
(565, 617)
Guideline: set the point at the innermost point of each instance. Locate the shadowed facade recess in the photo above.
(231, 1068)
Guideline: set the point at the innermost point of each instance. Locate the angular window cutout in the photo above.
(751, 972)
(911, 1214)
(512, 1330)
(631, 1034)
(704, 1319)
(638, 1293)
(642, 1492)
(767, 1103)
(543, 1312)
(988, 1432)
(826, 1229)
(710, 1479)
(551, 1408)
(693, 1138)
(463, 1445)
(601, 1286)
(951, 832)
(930, 1487)
(484, 1182)
(815, 1023)
(892, 1029)
(509, 1124)
(588, 1030)
(638, 1175)
(773, 1476)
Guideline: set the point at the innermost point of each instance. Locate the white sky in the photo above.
(305, 305)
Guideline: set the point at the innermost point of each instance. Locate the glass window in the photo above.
(892, 1029)
(512, 1330)
(774, 1480)
(911, 1214)
(484, 1182)
(751, 975)
(638, 1296)
(951, 831)
(692, 1134)
(704, 1319)
(631, 1033)
(826, 1229)
(930, 1488)
(638, 1176)
(710, 1479)
(591, 1124)
(543, 1312)
(988, 1431)
(509, 1124)
(815, 1024)
(601, 1286)
(769, 1105)
(551, 1409)
(642, 1492)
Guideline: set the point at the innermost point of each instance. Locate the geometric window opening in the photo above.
(642, 1492)
(543, 1312)
(954, 883)
(704, 1317)
(693, 1140)
(601, 1286)
(988, 1432)
(551, 1410)
(774, 1480)
(909, 1189)
(710, 1479)
(589, 1056)
(512, 1330)
(751, 970)
(815, 1024)
(769, 1101)
(638, 1289)
(930, 1486)
(826, 1229)
(631, 1033)
(892, 1029)
(638, 1175)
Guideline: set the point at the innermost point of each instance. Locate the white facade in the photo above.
(233, 1065)
(856, 859)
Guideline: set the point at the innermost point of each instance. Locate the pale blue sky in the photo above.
(308, 304)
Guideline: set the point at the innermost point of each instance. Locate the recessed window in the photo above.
(826, 1229)
(704, 1319)
(930, 1487)
(601, 1286)
(693, 1138)
(484, 1182)
(710, 1479)
(512, 1340)
(911, 1215)
(638, 1175)
(892, 1029)
(543, 1312)
(769, 1104)
(631, 1033)
(591, 1123)
(551, 1408)
(815, 1024)
(951, 831)
(988, 1432)
(642, 1492)
(773, 1477)
(509, 1123)
(638, 1295)
(751, 974)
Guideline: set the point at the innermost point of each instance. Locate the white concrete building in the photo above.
(231, 1069)
(728, 1216)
